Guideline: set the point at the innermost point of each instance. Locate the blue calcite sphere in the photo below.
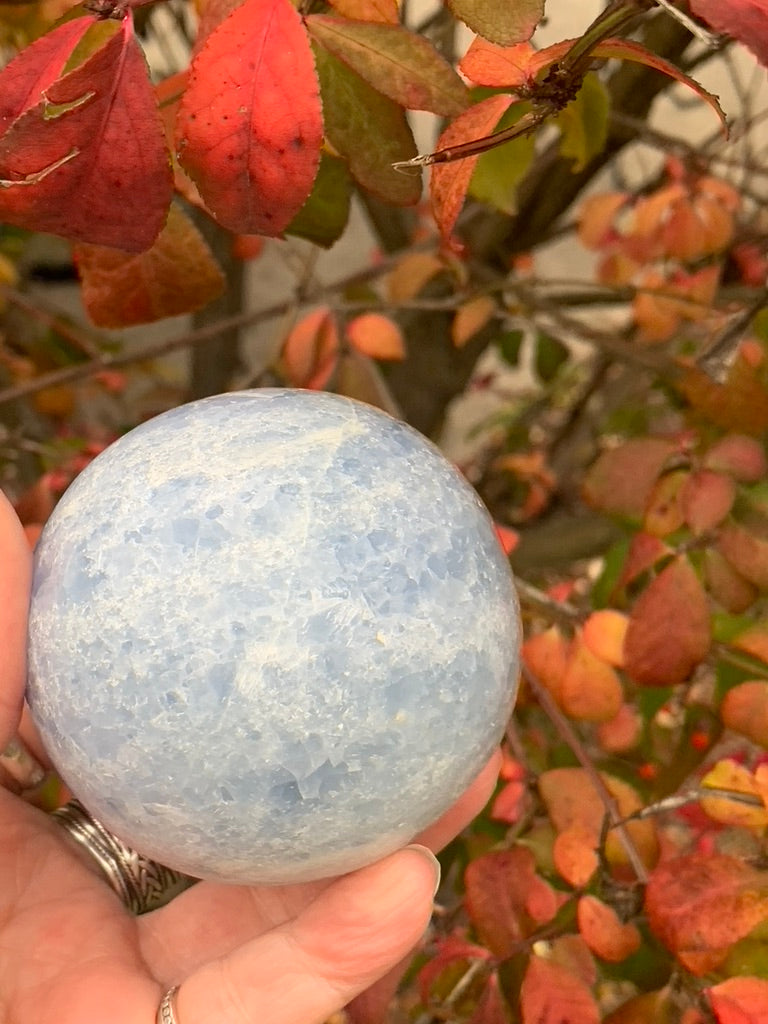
(272, 636)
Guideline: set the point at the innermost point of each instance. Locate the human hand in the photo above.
(70, 952)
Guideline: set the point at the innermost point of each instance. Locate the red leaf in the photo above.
(88, 160)
(450, 181)
(700, 904)
(741, 456)
(250, 125)
(510, 803)
(178, 274)
(740, 1001)
(376, 336)
(552, 995)
(745, 20)
(669, 629)
(27, 76)
(621, 481)
(505, 898)
(747, 551)
(707, 499)
(644, 552)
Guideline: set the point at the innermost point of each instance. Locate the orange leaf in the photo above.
(740, 403)
(376, 336)
(604, 933)
(741, 456)
(621, 481)
(699, 905)
(450, 181)
(622, 732)
(740, 1001)
(644, 1009)
(505, 898)
(728, 774)
(254, 165)
(471, 317)
(411, 273)
(669, 628)
(178, 274)
(552, 995)
(571, 799)
(664, 512)
(574, 855)
(572, 953)
(604, 633)
(590, 690)
(385, 11)
(754, 641)
(486, 63)
(545, 654)
(596, 217)
(745, 710)
(311, 349)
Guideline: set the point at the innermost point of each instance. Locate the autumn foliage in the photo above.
(620, 871)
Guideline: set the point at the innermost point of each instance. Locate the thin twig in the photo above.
(538, 601)
(693, 796)
(716, 360)
(568, 733)
(693, 27)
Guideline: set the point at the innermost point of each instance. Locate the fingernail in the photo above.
(428, 855)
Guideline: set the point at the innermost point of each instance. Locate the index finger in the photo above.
(15, 576)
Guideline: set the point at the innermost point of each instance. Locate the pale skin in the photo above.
(71, 954)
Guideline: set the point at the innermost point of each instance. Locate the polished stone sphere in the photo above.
(272, 636)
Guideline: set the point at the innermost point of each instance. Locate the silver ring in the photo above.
(165, 1011)
(141, 884)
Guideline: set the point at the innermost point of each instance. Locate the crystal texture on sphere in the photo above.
(272, 636)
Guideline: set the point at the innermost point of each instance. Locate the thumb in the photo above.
(15, 574)
(309, 968)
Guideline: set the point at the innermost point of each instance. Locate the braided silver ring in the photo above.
(141, 884)
(165, 1011)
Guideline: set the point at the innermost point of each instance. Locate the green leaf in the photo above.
(584, 123)
(505, 23)
(509, 346)
(369, 130)
(394, 61)
(550, 356)
(499, 171)
(324, 216)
